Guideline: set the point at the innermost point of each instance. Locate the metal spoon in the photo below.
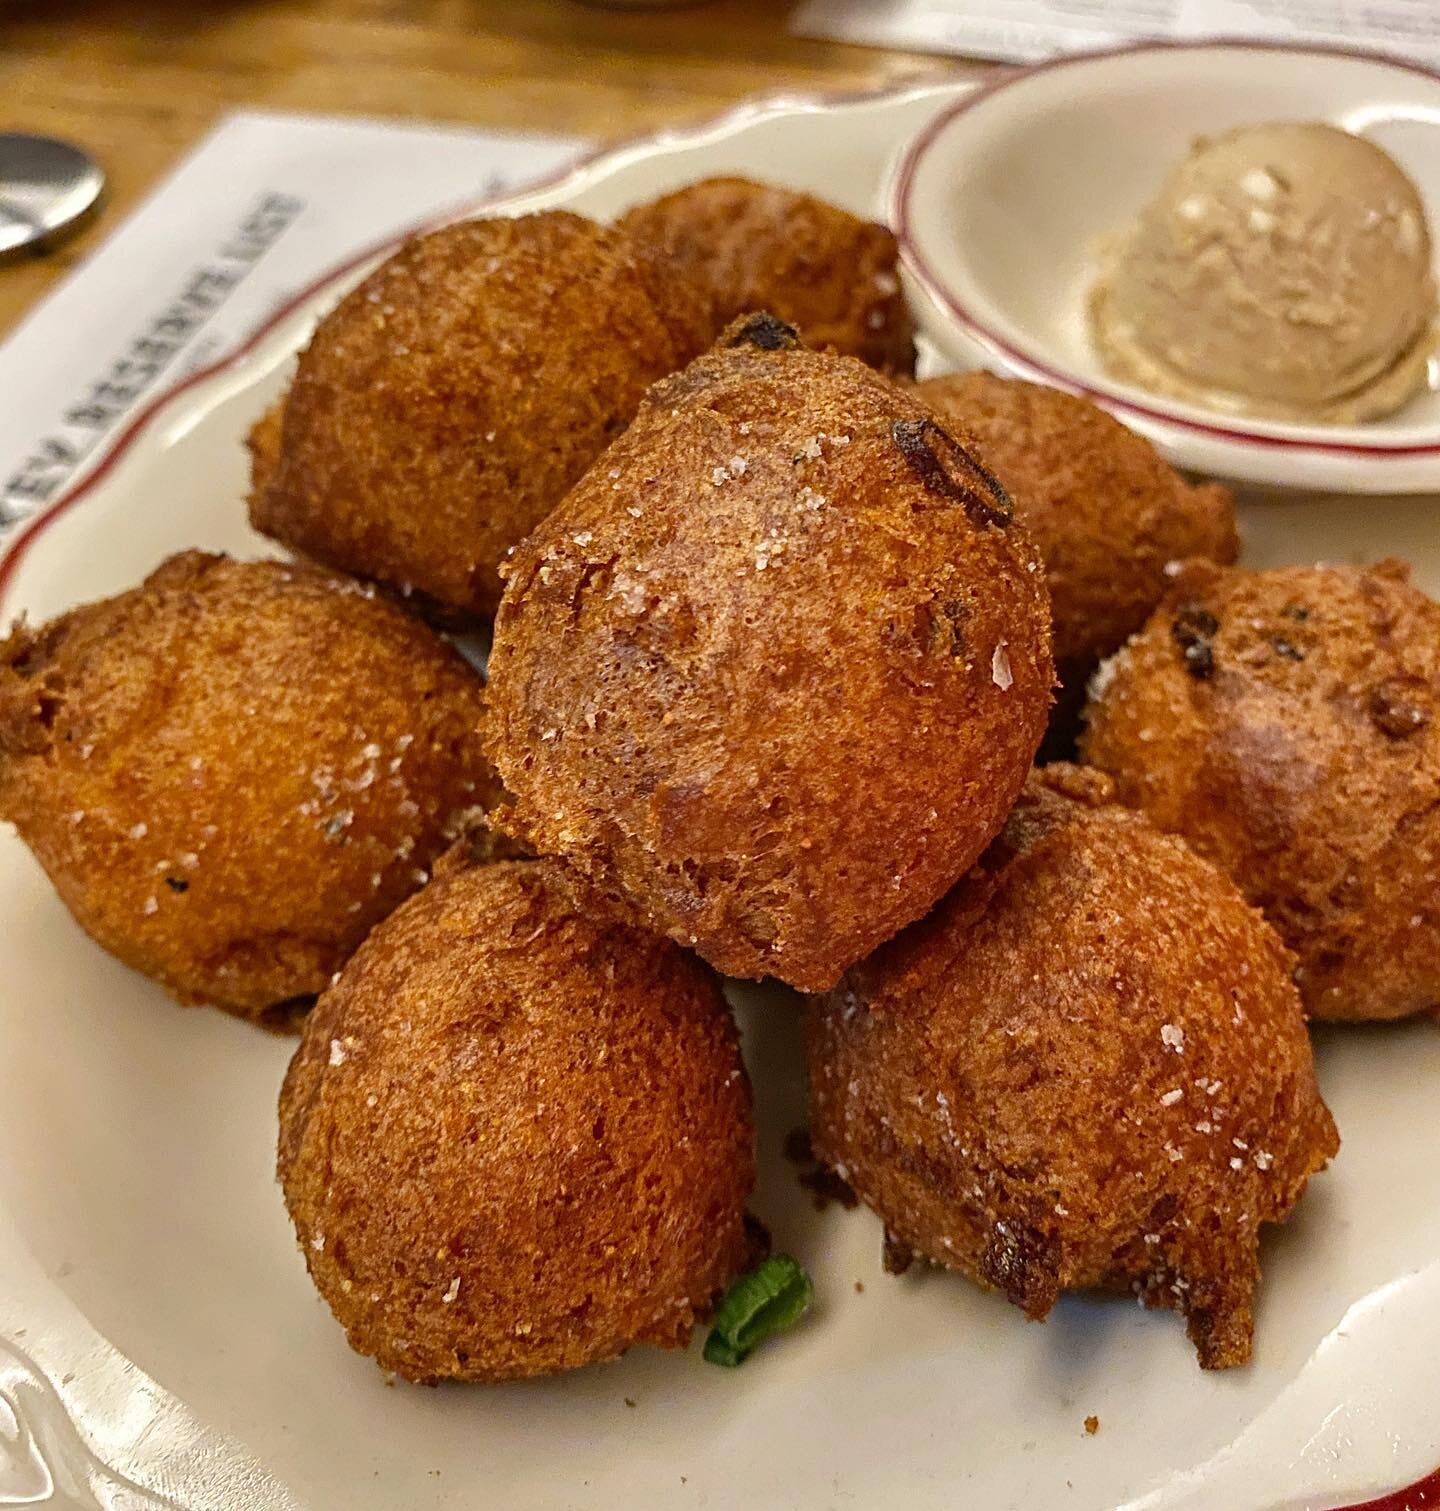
(47, 188)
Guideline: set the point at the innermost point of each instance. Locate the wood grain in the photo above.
(139, 81)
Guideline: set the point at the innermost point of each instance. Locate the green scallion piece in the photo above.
(767, 1300)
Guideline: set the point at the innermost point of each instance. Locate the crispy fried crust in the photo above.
(233, 771)
(761, 247)
(775, 670)
(263, 444)
(1287, 723)
(515, 1138)
(1087, 1068)
(1105, 509)
(446, 404)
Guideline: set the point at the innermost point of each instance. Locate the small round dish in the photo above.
(1002, 199)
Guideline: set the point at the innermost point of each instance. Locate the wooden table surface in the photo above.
(139, 81)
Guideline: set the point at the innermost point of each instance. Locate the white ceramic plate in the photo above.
(1002, 201)
(159, 1338)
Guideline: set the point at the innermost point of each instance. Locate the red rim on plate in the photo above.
(934, 285)
(1424, 1494)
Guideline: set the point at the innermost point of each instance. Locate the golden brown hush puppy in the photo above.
(814, 265)
(516, 1138)
(1105, 509)
(446, 404)
(1287, 723)
(233, 771)
(1087, 1068)
(775, 670)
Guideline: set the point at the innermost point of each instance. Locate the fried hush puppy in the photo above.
(233, 771)
(1087, 1068)
(516, 1137)
(812, 264)
(774, 672)
(1287, 723)
(446, 404)
(1105, 509)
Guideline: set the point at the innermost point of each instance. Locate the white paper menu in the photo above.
(264, 206)
(1026, 30)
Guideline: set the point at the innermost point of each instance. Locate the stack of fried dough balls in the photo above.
(447, 403)
(1088, 1067)
(1287, 723)
(516, 1136)
(773, 673)
(757, 246)
(1108, 513)
(233, 771)
(773, 654)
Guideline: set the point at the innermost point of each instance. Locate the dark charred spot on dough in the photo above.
(949, 471)
(947, 620)
(1023, 1264)
(1286, 648)
(177, 883)
(49, 700)
(895, 1256)
(1163, 1211)
(32, 689)
(764, 330)
(25, 653)
(1296, 611)
(31, 656)
(1397, 706)
(934, 628)
(592, 576)
(1193, 630)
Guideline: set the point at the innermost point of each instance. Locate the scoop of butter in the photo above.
(1284, 270)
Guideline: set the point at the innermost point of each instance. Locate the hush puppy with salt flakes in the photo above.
(1108, 513)
(446, 403)
(516, 1137)
(231, 772)
(773, 674)
(1287, 723)
(1087, 1068)
(761, 247)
